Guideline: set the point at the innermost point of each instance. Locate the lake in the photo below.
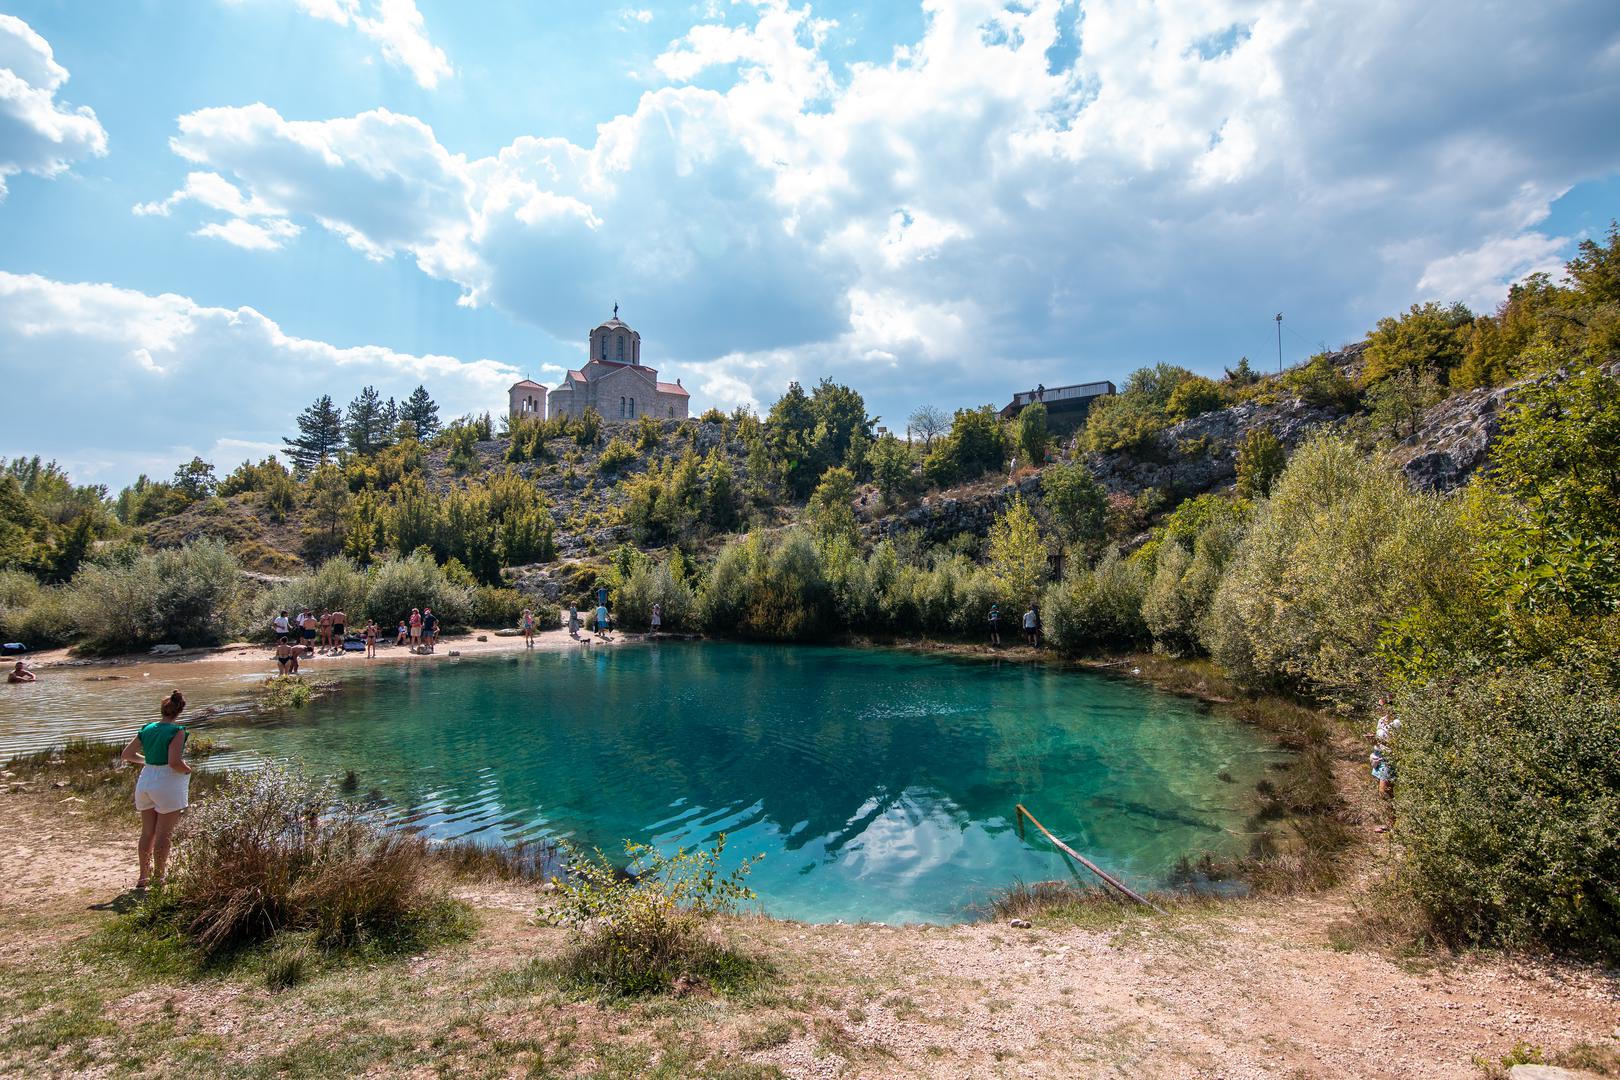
(879, 785)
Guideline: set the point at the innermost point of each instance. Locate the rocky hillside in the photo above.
(1449, 444)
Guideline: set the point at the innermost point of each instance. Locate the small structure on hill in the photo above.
(615, 383)
(527, 400)
(1072, 401)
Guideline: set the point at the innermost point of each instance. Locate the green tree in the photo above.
(1242, 375)
(1595, 272)
(976, 444)
(328, 499)
(1018, 557)
(1261, 458)
(1194, 396)
(320, 434)
(1557, 465)
(1078, 503)
(1430, 337)
(1032, 436)
(421, 413)
(829, 511)
(367, 427)
(1399, 402)
(890, 462)
(195, 480)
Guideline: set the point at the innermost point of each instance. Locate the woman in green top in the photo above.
(163, 790)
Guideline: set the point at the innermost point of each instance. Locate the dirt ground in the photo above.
(1238, 989)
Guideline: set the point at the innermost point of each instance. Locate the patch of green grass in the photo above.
(767, 1035)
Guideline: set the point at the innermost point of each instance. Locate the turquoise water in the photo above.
(878, 785)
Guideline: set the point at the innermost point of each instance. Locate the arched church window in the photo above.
(672, 412)
(621, 408)
(632, 408)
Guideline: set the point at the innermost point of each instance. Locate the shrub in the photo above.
(1194, 396)
(615, 456)
(1320, 384)
(397, 585)
(1341, 549)
(275, 852)
(1178, 600)
(34, 614)
(976, 444)
(775, 591)
(1123, 424)
(636, 933)
(1097, 608)
(188, 596)
(493, 606)
(648, 585)
(1031, 435)
(1508, 808)
(336, 585)
(1261, 458)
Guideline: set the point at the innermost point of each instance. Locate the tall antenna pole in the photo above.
(1279, 343)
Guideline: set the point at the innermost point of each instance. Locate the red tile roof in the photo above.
(673, 388)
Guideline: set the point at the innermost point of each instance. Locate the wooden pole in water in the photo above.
(1087, 863)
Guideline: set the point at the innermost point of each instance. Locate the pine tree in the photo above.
(320, 434)
(390, 421)
(367, 428)
(422, 413)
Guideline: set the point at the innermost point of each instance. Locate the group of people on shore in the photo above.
(325, 632)
(1031, 622)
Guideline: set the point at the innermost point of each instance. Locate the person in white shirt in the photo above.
(1383, 768)
(280, 625)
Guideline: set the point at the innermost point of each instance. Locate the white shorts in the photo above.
(162, 789)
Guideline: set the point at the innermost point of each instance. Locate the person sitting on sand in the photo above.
(163, 790)
(526, 624)
(340, 622)
(371, 638)
(286, 657)
(19, 674)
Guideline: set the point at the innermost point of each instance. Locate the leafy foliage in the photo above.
(1508, 808)
(637, 932)
(1018, 555)
(1077, 502)
(1261, 458)
(1429, 338)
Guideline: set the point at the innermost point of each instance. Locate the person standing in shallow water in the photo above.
(163, 790)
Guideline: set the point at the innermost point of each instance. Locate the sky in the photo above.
(214, 211)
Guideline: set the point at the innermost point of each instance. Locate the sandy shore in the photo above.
(472, 643)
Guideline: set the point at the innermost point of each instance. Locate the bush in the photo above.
(773, 591)
(648, 585)
(1184, 582)
(498, 607)
(1341, 550)
(34, 614)
(1123, 424)
(397, 585)
(1097, 608)
(636, 933)
(1508, 808)
(274, 852)
(190, 595)
(336, 585)
(615, 456)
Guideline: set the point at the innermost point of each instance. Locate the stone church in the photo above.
(612, 380)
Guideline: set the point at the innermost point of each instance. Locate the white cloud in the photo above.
(1481, 276)
(397, 28)
(1017, 196)
(270, 235)
(168, 375)
(635, 15)
(38, 134)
